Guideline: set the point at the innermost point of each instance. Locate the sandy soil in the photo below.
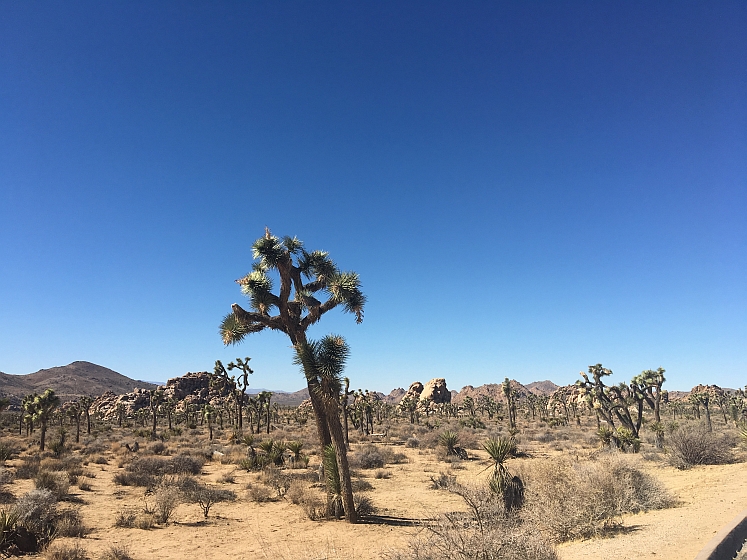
(709, 498)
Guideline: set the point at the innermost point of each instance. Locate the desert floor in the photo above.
(709, 497)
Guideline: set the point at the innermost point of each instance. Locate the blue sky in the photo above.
(524, 188)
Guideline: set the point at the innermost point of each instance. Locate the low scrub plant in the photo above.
(57, 482)
(66, 552)
(695, 445)
(572, 500)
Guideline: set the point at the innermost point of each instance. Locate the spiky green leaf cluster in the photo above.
(323, 362)
(233, 331)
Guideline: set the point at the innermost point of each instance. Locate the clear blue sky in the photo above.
(525, 188)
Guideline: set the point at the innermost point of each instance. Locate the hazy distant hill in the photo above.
(542, 387)
(69, 382)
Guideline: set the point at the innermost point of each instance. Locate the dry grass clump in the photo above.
(148, 471)
(116, 553)
(311, 500)
(486, 532)
(56, 482)
(29, 467)
(570, 500)
(66, 552)
(695, 445)
(371, 456)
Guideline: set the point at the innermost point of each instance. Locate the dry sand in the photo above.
(709, 498)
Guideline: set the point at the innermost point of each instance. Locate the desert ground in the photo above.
(264, 522)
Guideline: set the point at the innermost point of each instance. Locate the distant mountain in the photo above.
(69, 382)
(542, 388)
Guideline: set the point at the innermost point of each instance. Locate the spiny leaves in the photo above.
(269, 250)
(344, 287)
(324, 361)
(316, 264)
(233, 331)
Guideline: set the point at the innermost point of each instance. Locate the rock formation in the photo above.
(436, 392)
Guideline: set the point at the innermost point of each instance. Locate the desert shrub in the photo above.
(259, 493)
(545, 437)
(361, 485)
(381, 473)
(6, 476)
(166, 497)
(84, 485)
(314, 503)
(276, 479)
(7, 451)
(157, 448)
(100, 460)
(125, 518)
(363, 505)
(442, 481)
(371, 456)
(135, 479)
(296, 492)
(228, 478)
(37, 512)
(690, 446)
(185, 464)
(204, 495)
(486, 532)
(412, 442)
(145, 520)
(69, 523)
(472, 422)
(116, 552)
(66, 552)
(56, 482)
(148, 471)
(570, 500)
(29, 467)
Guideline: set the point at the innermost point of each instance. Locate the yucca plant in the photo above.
(449, 440)
(332, 476)
(626, 439)
(295, 448)
(8, 524)
(743, 434)
(502, 482)
(605, 435)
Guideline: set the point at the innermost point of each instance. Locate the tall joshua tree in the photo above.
(44, 405)
(296, 309)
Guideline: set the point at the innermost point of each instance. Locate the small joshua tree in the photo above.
(85, 403)
(44, 406)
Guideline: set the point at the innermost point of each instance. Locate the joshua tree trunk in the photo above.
(42, 435)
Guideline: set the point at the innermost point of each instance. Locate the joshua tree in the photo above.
(44, 406)
(703, 398)
(238, 387)
(324, 362)
(344, 406)
(510, 395)
(208, 412)
(647, 385)
(27, 415)
(75, 411)
(264, 398)
(85, 403)
(612, 402)
(298, 309)
(156, 398)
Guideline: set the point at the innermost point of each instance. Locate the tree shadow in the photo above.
(390, 520)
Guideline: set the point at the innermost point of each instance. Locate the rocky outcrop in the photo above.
(414, 392)
(436, 392)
